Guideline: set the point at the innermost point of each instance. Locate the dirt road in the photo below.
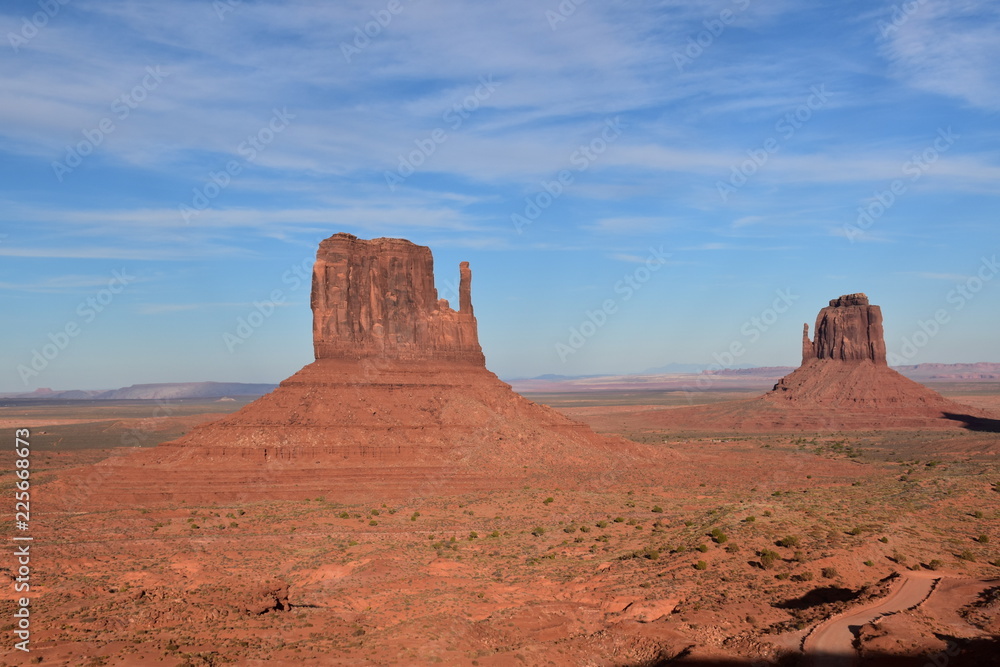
(831, 645)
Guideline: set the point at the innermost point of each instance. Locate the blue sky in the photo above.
(669, 180)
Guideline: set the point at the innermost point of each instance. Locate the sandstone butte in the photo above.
(397, 403)
(844, 383)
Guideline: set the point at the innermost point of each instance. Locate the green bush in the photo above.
(701, 565)
(935, 565)
(538, 531)
(789, 541)
(718, 536)
(548, 500)
(829, 572)
(703, 548)
(768, 558)
(657, 509)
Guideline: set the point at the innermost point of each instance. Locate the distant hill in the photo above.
(968, 372)
(162, 391)
(683, 369)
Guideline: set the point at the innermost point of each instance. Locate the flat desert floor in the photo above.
(877, 547)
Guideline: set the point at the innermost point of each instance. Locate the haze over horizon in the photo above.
(633, 185)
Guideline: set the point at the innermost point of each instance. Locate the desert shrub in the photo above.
(718, 536)
(935, 565)
(473, 535)
(983, 539)
(869, 563)
(344, 515)
(857, 530)
(233, 524)
(789, 541)
(782, 576)
(803, 576)
(414, 516)
(585, 529)
(702, 548)
(631, 522)
(569, 529)
(768, 558)
(978, 514)
(619, 519)
(538, 531)
(701, 565)
(657, 509)
(681, 549)
(768, 513)
(968, 555)
(884, 540)
(375, 512)
(495, 533)
(689, 523)
(373, 522)
(732, 548)
(602, 524)
(750, 519)
(548, 500)
(829, 572)
(799, 557)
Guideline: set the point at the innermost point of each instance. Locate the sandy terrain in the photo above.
(606, 573)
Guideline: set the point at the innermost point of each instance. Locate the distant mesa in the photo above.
(397, 403)
(844, 383)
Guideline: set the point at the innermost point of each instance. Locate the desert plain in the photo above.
(731, 554)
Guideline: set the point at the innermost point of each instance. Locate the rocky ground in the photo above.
(733, 552)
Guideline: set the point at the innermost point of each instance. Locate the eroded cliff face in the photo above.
(376, 298)
(849, 329)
